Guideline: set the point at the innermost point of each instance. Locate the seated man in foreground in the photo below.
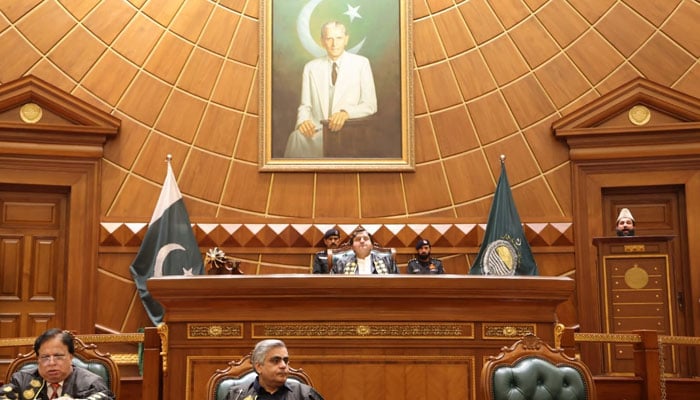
(270, 360)
(55, 376)
(362, 260)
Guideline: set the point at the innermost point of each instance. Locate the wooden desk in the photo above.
(398, 337)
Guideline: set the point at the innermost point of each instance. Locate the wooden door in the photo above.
(660, 210)
(32, 261)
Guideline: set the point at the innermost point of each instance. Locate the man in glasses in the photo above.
(55, 376)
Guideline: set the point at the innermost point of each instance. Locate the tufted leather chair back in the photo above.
(532, 370)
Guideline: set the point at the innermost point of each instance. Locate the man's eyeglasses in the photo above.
(45, 359)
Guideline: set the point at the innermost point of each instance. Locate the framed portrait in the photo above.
(336, 89)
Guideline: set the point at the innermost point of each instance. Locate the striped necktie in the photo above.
(55, 387)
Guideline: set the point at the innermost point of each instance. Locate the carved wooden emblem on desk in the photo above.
(365, 330)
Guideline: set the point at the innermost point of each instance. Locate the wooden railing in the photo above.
(649, 381)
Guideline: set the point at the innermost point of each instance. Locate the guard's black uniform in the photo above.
(432, 266)
(321, 262)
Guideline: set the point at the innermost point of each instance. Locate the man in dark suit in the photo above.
(55, 376)
(270, 360)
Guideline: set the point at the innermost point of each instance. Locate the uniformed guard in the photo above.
(331, 239)
(423, 263)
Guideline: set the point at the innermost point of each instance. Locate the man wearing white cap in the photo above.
(625, 223)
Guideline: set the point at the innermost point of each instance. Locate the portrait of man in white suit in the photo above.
(335, 87)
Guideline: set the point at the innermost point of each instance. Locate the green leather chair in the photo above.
(86, 356)
(532, 370)
(239, 372)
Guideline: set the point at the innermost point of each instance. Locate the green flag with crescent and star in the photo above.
(169, 247)
(505, 250)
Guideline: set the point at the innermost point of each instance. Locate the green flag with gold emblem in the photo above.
(505, 250)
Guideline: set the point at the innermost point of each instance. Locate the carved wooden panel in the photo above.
(32, 253)
(427, 337)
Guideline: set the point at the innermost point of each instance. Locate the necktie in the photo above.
(55, 387)
(334, 73)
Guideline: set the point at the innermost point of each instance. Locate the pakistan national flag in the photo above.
(505, 250)
(169, 247)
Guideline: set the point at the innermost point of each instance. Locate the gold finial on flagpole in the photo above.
(503, 158)
(168, 158)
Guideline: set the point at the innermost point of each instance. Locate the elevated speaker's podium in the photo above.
(358, 337)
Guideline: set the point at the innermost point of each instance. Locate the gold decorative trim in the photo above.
(607, 337)
(633, 338)
(559, 329)
(364, 330)
(636, 278)
(112, 338)
(507, 331)
(31, 113)
(688, 340)
(635, 248)
(214, 331)
(163, 333)
(639, 115)
(96, 338)
(21, 341)
(125, 358)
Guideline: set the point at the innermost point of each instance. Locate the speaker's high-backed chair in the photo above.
(530, 369)
(242, 372)
(86, 356)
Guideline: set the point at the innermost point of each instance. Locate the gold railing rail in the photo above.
(648, 344)
(119, 358)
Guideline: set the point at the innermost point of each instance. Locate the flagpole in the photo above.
(169, 247)
(504, 250)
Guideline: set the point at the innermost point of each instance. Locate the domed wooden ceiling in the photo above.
(490, 78)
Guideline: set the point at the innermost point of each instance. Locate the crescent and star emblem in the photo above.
(304, 28)
(162, 254)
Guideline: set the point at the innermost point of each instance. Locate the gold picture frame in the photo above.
(290, 37)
